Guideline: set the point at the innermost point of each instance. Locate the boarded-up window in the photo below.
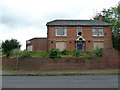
(29, 48)
(61, 45)
(98, 44)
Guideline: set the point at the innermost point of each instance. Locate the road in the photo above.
(81, 81)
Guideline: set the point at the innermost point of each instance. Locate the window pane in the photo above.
(79, 31)
(101, 32)
(94, 32)
(57, 31)
(64, 32)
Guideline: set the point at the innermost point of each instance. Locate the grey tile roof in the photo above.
(77, 23)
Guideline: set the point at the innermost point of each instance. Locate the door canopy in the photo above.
(80, 38)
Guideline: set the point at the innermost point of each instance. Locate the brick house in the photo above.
(83, 35)
(36, 44)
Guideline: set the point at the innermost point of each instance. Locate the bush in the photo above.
(64, 52)
(39, 54)
(98, 52)
(75, 53)
(54, 53)
(15, 53)
(25, 54)
(90, 54)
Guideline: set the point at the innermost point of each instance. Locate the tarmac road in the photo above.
(80, 81)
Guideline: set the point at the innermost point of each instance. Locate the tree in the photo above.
(9, 45)
(112, 16)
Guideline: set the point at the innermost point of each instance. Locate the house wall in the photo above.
(38, 44)
(72, 36)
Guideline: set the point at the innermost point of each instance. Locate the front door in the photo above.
(79, 46)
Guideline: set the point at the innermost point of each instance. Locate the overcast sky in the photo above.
(26, 19)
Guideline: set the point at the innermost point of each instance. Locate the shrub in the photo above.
(64, 52)
(75, 53)
(54, 53)
(39, 54)
(90, 54)
(15, 53)
(25, 54)
(98, 52)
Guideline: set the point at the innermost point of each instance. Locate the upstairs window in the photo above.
(79, 31)
(97, 32)
(61, 32)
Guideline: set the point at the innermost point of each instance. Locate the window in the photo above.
(79, 31)
(98, 44)
(28, 42)
(61, 45)
(61, 32)
(58, 32)
(97, 32)
(29, 48)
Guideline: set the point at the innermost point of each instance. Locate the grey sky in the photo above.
(26, 19)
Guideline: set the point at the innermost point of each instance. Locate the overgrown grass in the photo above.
(81, 54)
(39, 54)
(55, 53)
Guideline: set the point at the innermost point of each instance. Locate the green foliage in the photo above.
(15, 53)
(112, 16)
(54, 53)
(98, 52)
(9, 45)
(25, 54)
(39, 54)
(64, 52)
(81, 54)
(75, 53)
(116, 41)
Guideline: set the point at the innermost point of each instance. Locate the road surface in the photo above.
(80, 81)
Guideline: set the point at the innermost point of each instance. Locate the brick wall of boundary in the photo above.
(110, 60)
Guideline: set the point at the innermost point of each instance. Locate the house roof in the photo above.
(37, 38)
(77, 23)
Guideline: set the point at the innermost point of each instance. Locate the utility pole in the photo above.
(17, 59)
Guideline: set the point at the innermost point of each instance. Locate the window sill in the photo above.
(61, 36)
(98, 36)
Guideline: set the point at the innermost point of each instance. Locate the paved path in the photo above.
(81, 81)
(6, 73)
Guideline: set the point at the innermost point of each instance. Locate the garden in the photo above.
(56, 53)
(11, 49)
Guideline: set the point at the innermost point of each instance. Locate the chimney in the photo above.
(100, 18)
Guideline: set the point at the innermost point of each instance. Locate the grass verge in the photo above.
(84, 72)
(8, 69)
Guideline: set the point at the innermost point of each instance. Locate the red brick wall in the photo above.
(72, 36)
(9, 63)
(38, 44)
(110, 60)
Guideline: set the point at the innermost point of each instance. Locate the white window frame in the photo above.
(30, 48)
(98, 32)
(61, 30)
(77, 31)
(65, 31)
(57, 31)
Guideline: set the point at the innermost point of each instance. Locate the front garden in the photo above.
(55, 53)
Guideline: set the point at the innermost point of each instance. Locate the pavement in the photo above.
(2, 73)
